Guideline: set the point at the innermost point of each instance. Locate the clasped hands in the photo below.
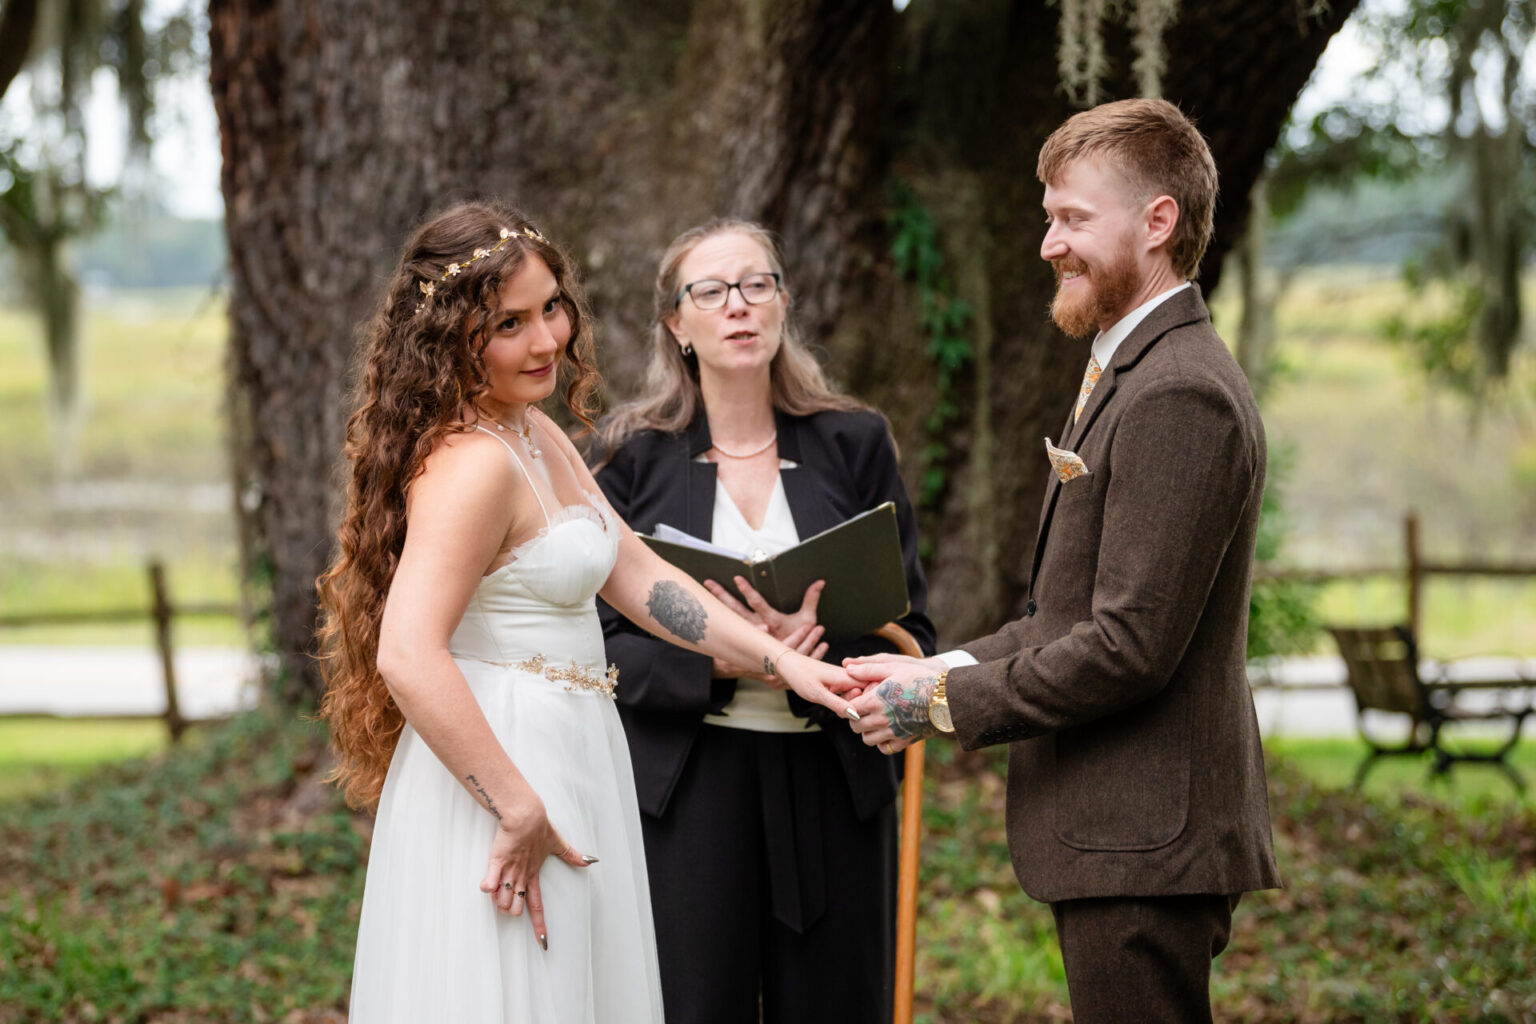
(885, 697)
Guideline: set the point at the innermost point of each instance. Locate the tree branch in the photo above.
(16, 26)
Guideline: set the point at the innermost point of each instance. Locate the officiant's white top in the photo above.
(756, 707)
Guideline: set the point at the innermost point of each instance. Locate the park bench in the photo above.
(1386, 677)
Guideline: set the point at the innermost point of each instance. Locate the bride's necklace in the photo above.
(747, 455)
(526, 433)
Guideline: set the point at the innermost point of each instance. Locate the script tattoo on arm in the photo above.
(906, 707)
(677, 611)
(490, 804)
(768, 666)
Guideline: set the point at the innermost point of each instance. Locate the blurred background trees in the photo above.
(1450, 107)
(47, 203)
(892, 147)
(615, 128)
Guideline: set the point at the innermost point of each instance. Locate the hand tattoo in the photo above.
(490, 804)
(677, 611)
(906, 707)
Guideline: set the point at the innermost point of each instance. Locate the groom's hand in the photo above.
(893, 713)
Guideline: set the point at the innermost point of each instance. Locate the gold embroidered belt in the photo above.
(575, 678)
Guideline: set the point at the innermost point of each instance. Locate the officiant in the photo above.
(753, 804)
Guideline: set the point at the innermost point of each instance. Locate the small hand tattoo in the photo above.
(677, 611)
(906, 707)
(490, 804)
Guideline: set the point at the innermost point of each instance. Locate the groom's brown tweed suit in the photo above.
(1135, 768)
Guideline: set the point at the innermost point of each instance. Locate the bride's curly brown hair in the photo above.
(417, 375)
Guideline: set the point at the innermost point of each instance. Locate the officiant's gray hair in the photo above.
(671, 398)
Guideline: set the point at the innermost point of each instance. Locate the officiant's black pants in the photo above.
(767, 889)
(1142, 960)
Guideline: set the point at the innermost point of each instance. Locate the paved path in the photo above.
(54, 680)
(214, 681)
(1331, 712)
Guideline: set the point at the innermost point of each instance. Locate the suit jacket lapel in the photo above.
(1177, 310)
(811, 514)
(1048, 503)
(1184, 308)
(699, 512)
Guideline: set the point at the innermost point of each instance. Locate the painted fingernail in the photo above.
(852, 715)
(587, 858)
(544, 942)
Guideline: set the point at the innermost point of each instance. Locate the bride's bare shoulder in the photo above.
(467, 461)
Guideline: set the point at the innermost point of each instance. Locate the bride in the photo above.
(466, 688)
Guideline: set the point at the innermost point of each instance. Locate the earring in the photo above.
(687, 349)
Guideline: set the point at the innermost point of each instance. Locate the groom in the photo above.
(1136, 797)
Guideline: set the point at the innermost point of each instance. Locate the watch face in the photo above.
(938, 714)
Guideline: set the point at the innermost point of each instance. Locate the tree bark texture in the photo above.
(615, 126)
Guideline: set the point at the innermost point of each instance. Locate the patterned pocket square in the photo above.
(1066, 464)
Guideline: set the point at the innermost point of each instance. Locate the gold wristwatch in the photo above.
(938, 705)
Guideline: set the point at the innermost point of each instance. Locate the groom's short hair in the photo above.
(1158, 151)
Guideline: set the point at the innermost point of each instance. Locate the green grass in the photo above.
(222, 883)
(1330, 763)
(42, 754)
(1411, 901)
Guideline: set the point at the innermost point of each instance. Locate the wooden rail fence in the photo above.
(1414, 568)
(161, 613)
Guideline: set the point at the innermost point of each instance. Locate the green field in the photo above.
(150, 482)
(1365, 438)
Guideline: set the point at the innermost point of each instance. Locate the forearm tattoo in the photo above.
(490, 804)
(768, 666)
(906, 707)
(677, 611)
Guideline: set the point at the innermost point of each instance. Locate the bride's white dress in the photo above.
(431, 946)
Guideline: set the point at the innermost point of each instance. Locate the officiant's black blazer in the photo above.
(846, 464)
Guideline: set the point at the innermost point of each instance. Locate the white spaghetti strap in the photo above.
(512, 452)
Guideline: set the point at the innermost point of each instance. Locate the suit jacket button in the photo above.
(1029, 609)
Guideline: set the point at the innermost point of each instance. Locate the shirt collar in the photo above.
(1105, 344)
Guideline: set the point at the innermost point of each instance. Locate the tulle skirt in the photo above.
(432, 947)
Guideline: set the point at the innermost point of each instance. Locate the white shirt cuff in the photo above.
(957, 659)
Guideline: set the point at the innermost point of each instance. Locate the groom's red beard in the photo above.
(1109, 288)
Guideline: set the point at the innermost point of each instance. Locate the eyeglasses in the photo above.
(708, 294)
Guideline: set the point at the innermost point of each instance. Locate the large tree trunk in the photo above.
(615, 127)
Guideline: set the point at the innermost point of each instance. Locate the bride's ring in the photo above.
(521, 893)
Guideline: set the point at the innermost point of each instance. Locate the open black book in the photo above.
(860, 559)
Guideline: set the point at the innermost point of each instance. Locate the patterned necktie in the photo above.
(1090, 378)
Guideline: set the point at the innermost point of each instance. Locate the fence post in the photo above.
(1415, 571)
(161, 613)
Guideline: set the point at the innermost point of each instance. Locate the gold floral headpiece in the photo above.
(429, 288)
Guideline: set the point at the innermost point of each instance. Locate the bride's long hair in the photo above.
(417, 372)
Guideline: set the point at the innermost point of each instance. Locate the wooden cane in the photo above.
(911, 837)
